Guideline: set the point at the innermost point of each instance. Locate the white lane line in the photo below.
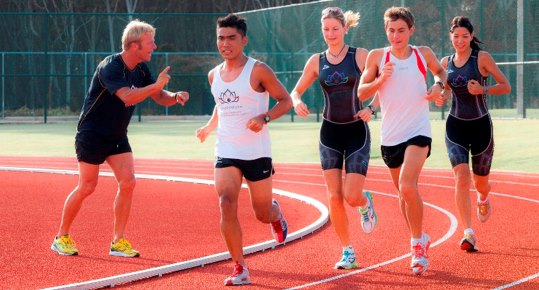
(395, 259)
(160, 271)
(420, 183)
(448, 234)
(523, 280)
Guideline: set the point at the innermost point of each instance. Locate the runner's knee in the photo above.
(127, 185)
(228, 207)
(462, 179)
(335, 198)
(407, 189)
(84, 189)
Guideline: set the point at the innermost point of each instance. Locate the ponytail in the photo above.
(474, 44)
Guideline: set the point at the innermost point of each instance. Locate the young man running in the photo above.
(398, 74)
(241, 87)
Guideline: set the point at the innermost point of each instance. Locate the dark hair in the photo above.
(234, 21)
(462, 21)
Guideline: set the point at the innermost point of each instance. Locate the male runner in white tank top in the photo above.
(241, 87)
(398, 74)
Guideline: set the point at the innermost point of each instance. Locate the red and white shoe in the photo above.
(419, 263)
(240, 276)
(468, 243)
(279, 228)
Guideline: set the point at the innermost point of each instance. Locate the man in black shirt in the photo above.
(120, 82)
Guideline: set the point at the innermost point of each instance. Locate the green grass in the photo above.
(516, 142)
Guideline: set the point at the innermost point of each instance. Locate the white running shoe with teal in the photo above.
(347, 262)
(369, 219)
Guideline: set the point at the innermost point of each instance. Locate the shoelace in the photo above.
(345, 256)
(124, 244)
(67, 241)
(365, 214)
(419, 250)
(483, 209)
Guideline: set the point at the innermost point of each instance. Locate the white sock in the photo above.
(348, 249)
(468, 231)
(479, 199)
(415, 241)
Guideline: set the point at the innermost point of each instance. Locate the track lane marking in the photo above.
(175, 267)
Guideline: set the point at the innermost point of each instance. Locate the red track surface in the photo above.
(175, 221)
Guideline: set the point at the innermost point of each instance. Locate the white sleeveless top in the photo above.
(405, 110)
(236, 103)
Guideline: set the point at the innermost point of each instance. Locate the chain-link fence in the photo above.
(48, 59)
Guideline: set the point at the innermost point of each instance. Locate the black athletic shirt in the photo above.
(464, 105)
(105, 117)
(339, 83)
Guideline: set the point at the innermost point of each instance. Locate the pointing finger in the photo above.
(165, 71)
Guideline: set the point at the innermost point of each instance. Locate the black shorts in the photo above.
(345, 143)
(475, 137)
(97, 154)
(252, 170)
(394, 155)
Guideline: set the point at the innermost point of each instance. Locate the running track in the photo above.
(175, 221)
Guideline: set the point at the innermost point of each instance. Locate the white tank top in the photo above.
(405, 110)
(236, 103)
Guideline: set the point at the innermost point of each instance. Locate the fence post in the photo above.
(166, 88)
(3, 85)
(84, 90)
(47, 67)
(521, 108)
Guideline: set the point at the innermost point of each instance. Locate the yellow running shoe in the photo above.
(64, 245)
(122, 248)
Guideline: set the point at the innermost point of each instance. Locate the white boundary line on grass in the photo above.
(160, 271)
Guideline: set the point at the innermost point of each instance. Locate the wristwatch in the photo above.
(372, 108)
(441, 84)
(267, 118)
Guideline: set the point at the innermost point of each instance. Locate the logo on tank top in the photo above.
(336, 79)
(459, 81)
(228, 97)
